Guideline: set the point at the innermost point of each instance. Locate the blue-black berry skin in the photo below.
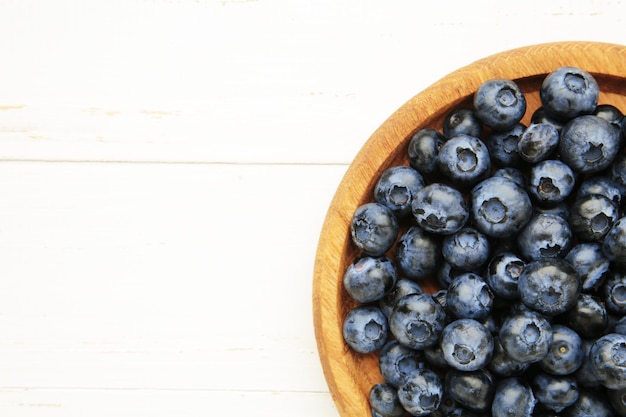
(555, 392)
(590, 264)
(610, 113)
(503, 146)
(608, 360)
(422, 393)
(566, 353)
(365, 329)
(461, 121)
(499, 103)
(423, 150)
(592, 216)
(467, 345)
(500, 207)
(540, 115)
(368, 278)
(502, 365)
(464, 160)
(545, 236)
(588, 316)
(503, 275)
(398, 362)
(617, 399)
(417, 253)
(383, 399)
(374, 229)
(549, 286)
(469, 297)
(513, 398)
(512, 173)
(614, 243)
(396, 188)
(538, 142)
(402, 287)
(473, 390)
(568, 92)
(590, 403)
(440, 209)
(551, 182)
(613, 293)
(602, 185)
(526, 336)
(589, 144)
(417, 321)
(468, 249)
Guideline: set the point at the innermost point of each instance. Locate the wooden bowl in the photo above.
(351, 375)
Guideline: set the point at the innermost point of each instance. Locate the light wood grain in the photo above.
(350, 375)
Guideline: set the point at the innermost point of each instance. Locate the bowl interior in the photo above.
(351, 375)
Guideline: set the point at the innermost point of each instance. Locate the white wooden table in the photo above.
(165, 169)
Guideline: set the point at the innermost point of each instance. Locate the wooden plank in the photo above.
(160, 276)
(162, 403)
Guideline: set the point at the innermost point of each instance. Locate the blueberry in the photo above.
(514, 174)
(365, 329)
(589, 144)
(473, 390)
(590, 403)
(590, 264)
(417, 253)
(555, 392)
(568, 92)
(503, 146)
(545, 236)
(602, 185)
(592, 217)
(551, 182)
(499, 207)
(538, 142)
(614, 244)
(613, 293)
(526, 336)
(447, 273)
(464, 160)
(396, 188)
(513, 398)
(434, 357)
(499, 103)
(398, 362)
(403, 286)
(585, 375)
(566, 352)
(461, 121)
(619, 325)
(467, 249)
(440, 209)
(617, 172)
(383, 399)
(588, 317)
(467, 345)
(469, 297)
(549, 286)
(417, 321)
(369, 278)
(503, 365)
(610, 113)
(617, 399)
(423, 150)
(421, 394)
(541, 116)
(503, 273)
(607, 357)
(374, 228)
(562, 209)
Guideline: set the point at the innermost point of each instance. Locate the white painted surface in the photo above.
(165, 168)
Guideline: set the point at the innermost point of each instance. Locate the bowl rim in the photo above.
(608, 59)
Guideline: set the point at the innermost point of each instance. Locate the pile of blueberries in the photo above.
(523, 230)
